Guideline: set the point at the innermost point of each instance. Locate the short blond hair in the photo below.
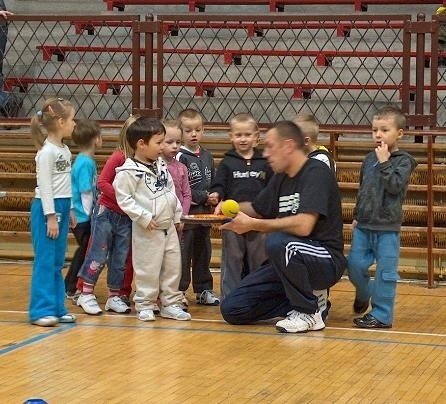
(171, 123)
(244, 118)
(188, 113)
(308, 124)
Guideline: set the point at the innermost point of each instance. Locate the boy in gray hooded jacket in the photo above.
(377, 216)
(146, 193)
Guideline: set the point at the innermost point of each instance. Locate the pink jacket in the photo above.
(178, 171)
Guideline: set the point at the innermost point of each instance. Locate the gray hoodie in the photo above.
(382, 190)
(144, 193)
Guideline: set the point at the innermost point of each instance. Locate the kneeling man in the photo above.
(301, 209)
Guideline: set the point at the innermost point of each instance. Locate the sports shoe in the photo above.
(126, 299)
(67, 318)
(74, 297)
(89, 304)
(47, 321)
(145, 315)
(175, 312)
(368, 321)
(117, 305)
(208, 298)
(300, 322)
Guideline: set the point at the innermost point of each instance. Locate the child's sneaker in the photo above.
(89, 304)
(208, 298)
(47, 321)
(116, 304)
(175, 312)
(300, 322)
(145, 315)
(126, 299)
(67, 318)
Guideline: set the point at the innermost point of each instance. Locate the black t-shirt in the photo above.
(313, 190)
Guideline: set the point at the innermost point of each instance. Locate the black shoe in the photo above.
(360, 307)
(368, 321)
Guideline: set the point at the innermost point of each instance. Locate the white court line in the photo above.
(204, 320)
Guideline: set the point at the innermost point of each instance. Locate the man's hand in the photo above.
(179, 227)
(382, 152)
(217, 210)
(4, 14)
(73, 220)
(213, 199)
(52, 227)
(240, 224)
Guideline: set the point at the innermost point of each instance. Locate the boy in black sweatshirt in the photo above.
(241, 175)
(196, 246)
(377, 216)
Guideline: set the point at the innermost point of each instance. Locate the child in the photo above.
(50, 212)
(310, 128)
(377, 220)
(110, 239)
(241, 175)
(145, 191)
(87, 135)
(196, 238)
(178, 171)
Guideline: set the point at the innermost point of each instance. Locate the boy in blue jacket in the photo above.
(377, 216)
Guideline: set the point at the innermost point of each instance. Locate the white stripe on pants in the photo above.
(157, 264)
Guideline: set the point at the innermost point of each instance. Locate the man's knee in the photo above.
(231, 312)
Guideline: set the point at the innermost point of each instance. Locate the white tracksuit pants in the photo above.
(157, 264)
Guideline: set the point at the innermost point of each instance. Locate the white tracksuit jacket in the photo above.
(144, 194)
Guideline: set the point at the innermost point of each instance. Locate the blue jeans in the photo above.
(382, 247)
(47, 284)
(110, 243)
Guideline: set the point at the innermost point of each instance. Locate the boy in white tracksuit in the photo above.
(146, 193)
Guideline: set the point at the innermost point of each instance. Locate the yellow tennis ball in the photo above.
(230, 208)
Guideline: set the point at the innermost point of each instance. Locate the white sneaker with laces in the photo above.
(175, 312)
(117, 305)
(89, 304)
(300, 322)
(208, 298)
(146, 315)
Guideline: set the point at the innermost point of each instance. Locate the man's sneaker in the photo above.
(208, 298)
(89, 304)
(300, 322)
(47, 321)
(67, 318)
(175, 312)
(145, 315)
(116, 304)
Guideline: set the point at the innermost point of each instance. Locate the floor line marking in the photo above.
(34, 339)
(217, 321)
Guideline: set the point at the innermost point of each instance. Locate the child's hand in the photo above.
(152, 225)
(354, 224)
(73, 220)
(217, 210)
(213, 199)
(52, 227)
(382, 152)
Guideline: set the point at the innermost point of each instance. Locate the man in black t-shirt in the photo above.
(301, 209)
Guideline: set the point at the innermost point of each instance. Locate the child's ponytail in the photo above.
(123, 144)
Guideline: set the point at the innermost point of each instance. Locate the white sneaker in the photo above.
(175, 312)
(47, 321)
(67, 318)
(145, 315)
(208, 298)
(117, 305)
(300, 322)
(89, 304)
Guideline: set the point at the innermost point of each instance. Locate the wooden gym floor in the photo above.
(118, 359)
